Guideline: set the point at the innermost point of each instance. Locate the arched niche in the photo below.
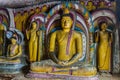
(39, 19)
(82, 21)
(108, 16)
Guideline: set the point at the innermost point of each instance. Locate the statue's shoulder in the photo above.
(76, 33)
(57, 32)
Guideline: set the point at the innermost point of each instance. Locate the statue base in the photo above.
(10, 66)
(48, 67)
(48, 76)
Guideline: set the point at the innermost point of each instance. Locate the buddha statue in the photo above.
(104, 40)
(90, 6)
(33, 36)
(44, 8)
(13, 53)
(69, 42)
(12, 62)
(14, 50)
(37, 10)
(18, 21)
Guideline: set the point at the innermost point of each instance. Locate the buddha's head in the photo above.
(66, 20)
(103, 26)
(37, 9)
(90, 5)
(34, 25)
(13, 40)
(44, 8)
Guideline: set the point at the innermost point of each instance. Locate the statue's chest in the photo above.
(13, 48)
(104, 36)
(64, 38)
(33, 33)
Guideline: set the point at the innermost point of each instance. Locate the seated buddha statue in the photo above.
(65, 50)
(68, 42)
(90, 6)
(12, 62)
(14, 50)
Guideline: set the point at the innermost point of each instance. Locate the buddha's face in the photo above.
(37, 10)
(44, 8)
(103, 26)
(34, 25)
(66, 22)
(13, 41)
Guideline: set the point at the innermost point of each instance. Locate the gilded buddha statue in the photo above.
(69, 42)
(14, 50)
(104, 39)
(33, 41)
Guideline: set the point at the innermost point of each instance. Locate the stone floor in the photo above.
(22, 77)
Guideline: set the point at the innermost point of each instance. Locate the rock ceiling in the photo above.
(23, 3)
(20, 3)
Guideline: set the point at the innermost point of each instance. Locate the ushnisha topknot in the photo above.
(66, 12)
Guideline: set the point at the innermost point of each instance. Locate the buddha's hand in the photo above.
(38, 33)
(61, 63)
(9, 58)
(67, 64)
(64, 63)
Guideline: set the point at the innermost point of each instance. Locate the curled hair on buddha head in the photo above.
(100, 24)
(14, 38)
(66, 12)
(32, 23)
